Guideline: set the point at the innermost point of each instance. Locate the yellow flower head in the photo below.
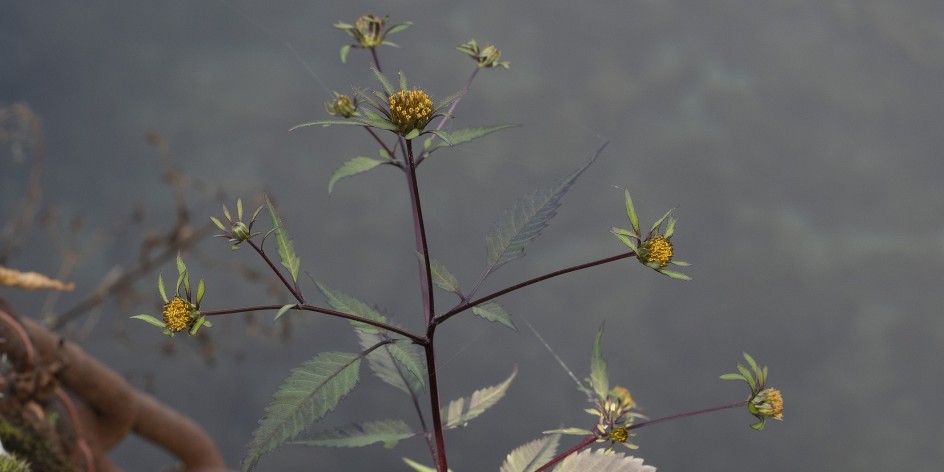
(410, 110)
(369, 30)
(769, 403)
(657, 251)
(177, 314)
(618, 435)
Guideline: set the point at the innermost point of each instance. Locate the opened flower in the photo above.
(655, 250)
(180, 312)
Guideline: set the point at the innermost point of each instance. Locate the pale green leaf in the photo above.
(659, 222)
(524, 222)
(459, 412)
(732, 377)
(599, 377)
(441, 275)
(343, 302)
(464, 135)
(201, 289)
(388, 432)
(150, 319)
(387, 87)
(599, 461)
(398, 364)
(531, 456)
(419, 467)
(631, 212)
(398, 27)
(218, 223)
(344, 51)
(494, 312)
(160, 287)
(402, 81)
(286, 247)
(311, 391)
(283, 310)
(572, 431)
(674, 274)
(181, 267)
(353, 167)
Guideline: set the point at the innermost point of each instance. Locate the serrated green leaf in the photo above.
(283, 310)
(352, 167)
(441, 275)
(388, 432)
(494, 312)
(160, 287)
(397, 364)
(286, 248)
(344, 51)
(631, 213)
(464, 135)
(524, 222)
(460, 411)
(311, 391)
(150, 319)
(599, 461)
(531, 456)
(343, 302)
(599, 377)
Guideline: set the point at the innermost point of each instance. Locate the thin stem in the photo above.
(419, 230)
(687, 414)
(373, 52)
(586, 442)
(469, 304)
(327, 311)
(290, 286)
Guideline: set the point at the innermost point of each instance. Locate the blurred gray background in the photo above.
(799, 140)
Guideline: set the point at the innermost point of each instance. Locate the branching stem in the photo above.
(469, 304)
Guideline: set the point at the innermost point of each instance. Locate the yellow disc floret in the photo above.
(177, 314)
(410, 110)
(656, 250)
(618, 435)
(769, 403)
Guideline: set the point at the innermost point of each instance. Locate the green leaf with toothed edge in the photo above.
(353, 167)
(441, 275)
(388, 432)
(343, 302)
(459, 412)
(531, 456)
(311, 391)
(286, 247)
(494, 312)
(523, 223)
(599, 461)
(464, 135)
(398, 364)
